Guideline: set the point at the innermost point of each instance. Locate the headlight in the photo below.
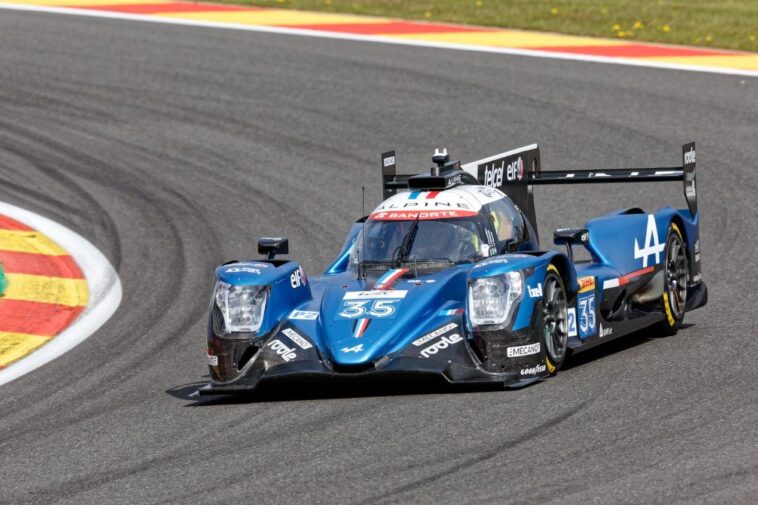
(242, 307)
(492, 300)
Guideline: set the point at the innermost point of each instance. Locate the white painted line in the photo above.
(383, 40)
(102, 280)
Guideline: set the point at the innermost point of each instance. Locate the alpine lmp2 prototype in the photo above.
(447, 278)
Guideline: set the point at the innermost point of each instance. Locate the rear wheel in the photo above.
(675, 275)
(554, 316)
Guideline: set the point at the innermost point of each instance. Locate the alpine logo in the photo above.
(604, 332)
(652, 245)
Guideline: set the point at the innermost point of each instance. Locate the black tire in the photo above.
(554, 320)
(675, 276)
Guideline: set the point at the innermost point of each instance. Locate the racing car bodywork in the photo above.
(447, 278)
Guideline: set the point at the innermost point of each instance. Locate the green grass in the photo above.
(710, 23)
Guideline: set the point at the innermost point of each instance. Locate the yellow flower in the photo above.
(708, 38)
(478, 3)
(638, 25)
(665, 28)
(427, 14)
(554, 11)
(621, 34)
(327, 2)
(752, 38)
(616, 27)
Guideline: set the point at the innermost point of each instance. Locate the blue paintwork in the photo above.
(431, 300)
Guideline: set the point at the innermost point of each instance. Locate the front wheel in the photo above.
(675, 275)
(554, 316)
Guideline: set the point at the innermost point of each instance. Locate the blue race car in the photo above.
(446, 278)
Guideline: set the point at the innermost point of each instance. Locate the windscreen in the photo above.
(449, 240)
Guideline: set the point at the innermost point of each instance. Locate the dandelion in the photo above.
(638, 25)
(621, 34)
(427, 14)
(616, 27)
(665, 28)
(554, 11)
(708, 38)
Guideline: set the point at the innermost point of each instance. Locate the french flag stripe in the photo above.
(360, 327)
(386, 280)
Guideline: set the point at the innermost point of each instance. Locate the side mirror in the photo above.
(271, 246)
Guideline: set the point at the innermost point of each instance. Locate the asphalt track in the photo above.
(172, 148)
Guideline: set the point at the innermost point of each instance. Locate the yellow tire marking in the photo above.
(14, 346)
(32, 242)
(551, 268)
(550, 366)
(676, 229)
(667, 307)
(39, 288)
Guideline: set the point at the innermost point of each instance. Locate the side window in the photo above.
(507, 222)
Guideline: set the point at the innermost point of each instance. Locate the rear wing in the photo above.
(516, 172)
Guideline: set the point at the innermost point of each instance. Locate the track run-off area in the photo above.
(171, 148)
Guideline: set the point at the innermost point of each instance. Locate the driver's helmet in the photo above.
(443, 239)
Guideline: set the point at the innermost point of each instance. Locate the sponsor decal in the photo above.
(515, 170)
(535, 292)
(298, 278)
(286, 353)
(247, 270)
(421, 215)
(533, 370)
(376, 294)
(297, 338)
(604, 332)
(697, 278)
(571, 322)
(652, 245)
(353, 309)
(356, 348)
(304, 315)
(494, 173)
(436, 333)
(441, 344)
(523, 350)
(586, 284)
(212, 360)
(689, 156)
(389, 161)
(585, 304)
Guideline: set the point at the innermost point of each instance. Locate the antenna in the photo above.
(363, 234)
